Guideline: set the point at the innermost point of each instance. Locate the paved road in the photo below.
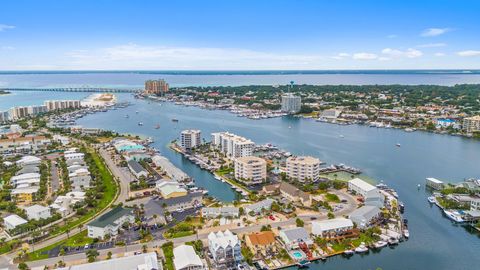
(349, 207)
(6, 259)
(122, 176)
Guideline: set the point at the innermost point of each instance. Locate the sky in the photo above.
(239, 34)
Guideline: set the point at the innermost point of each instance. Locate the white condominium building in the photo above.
(250, 170)
(471, 124)
(53, 105)
(190, 139)
(291, 103)
(303, 167)
(233, 146)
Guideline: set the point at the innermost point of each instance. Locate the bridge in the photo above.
(74, 89)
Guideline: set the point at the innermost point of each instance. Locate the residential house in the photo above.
(12, 221)
(141, 261)
(109, 223)
(37, 212)
(188, 201)
(137, 169)
(365, 215)
(185, 258)
(258, 207)
(331, 227)
(170, 189)
(225, 248)
(226, 211)
(293, 237)
(293, 194)
(261, 243)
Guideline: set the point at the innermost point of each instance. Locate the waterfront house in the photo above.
(258, 207)
(375, 198)
(188, 201)
(137, 170)
(12, 221)
(261, 243)
(331, 227)
(226, 211)
(171, 170)
(170, 189)
(141, 261)
(37, 212)
(225, 249)
(362, 188)
(293, 237)
(293, 194)
(185, 258)
(136, 155)
(110, 222)
(365, 215)
(434, 183)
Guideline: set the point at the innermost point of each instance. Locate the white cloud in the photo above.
(409, 53)
(392, 36)
(364, 56)
(4, 27)
(160, 57)
(468, 53)
(432, 45)
(341, 56)
(433, 32)
(439, 54)
(383, 58)
(7, 48)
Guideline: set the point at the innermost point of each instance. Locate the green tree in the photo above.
(299, 222)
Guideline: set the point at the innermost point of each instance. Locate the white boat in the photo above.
(341, 136)
(136, 111)
(393, 241)
(349, 252)
(361, 249)
(380, 244)
(432, 199)
(140, 123)
(406, 233)
(398, 145)
(453, 216)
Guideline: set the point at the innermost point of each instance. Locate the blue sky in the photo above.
(236, 35)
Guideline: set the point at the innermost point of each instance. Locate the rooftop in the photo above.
(110, 217)
(135, 166)
(14, 220)
(185, 256)
(144, 261)
(362, 184)
(262, 238)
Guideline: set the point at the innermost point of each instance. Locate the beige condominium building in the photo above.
(471, 124)
(303, 167)
(250, 170)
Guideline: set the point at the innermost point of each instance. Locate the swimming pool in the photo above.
(297, 255)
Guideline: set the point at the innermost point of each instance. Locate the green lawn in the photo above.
(345, 176)
(109, 195)
(167, 249)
